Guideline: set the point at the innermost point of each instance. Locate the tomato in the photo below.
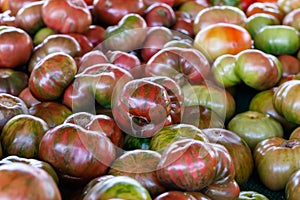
(51, 76)
(143, 106)
(238, 149)
(95, 34)
(21, 135)
(29, 17)
(156, 38)
(254, 127)
(67, 16)
(184, 65)
(32, 183)
(10, 106)
(159, 14)
(212, 97)
(285, 100)
(42, 34)
(91, 58)
(14, 43)
(85, 44)
(12, 81)
(32, 162)
(276, 159)
(277, 39)
(217, 14)
(88, 155)
(290, 64)
(257, 69)
(251, 195)
(128, 35)
(193, 7)
(54, 43)
(108, 13)
(222, 38)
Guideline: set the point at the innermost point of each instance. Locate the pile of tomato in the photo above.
(149, 99)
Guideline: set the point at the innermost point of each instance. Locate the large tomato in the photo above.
(14, 43)
(28, 183)
(77, 154)
(276, 159)
(277, 39)
(254, 127)
(145, 105)
(67, 16)
(238, 149)
(222, 38)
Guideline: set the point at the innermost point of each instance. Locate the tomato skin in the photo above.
(14, 41)
(276, 159)
(222, 38)
(67, 16)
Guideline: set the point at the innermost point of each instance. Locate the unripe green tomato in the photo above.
(277, 39)
(254, 127)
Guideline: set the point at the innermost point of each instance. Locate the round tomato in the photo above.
(222, 38)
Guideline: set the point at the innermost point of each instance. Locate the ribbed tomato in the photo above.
(77, 154)
(22, 134)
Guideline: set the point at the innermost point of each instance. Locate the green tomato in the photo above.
(254, 127)
(277, 39)
(251, 195)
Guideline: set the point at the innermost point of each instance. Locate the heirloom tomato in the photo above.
(14, 43)
(21, 135)
(276, 159)
(222, 38)
(10, 106)
(78, 155)
(28, 183)
(67, 16)
(12, 81)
